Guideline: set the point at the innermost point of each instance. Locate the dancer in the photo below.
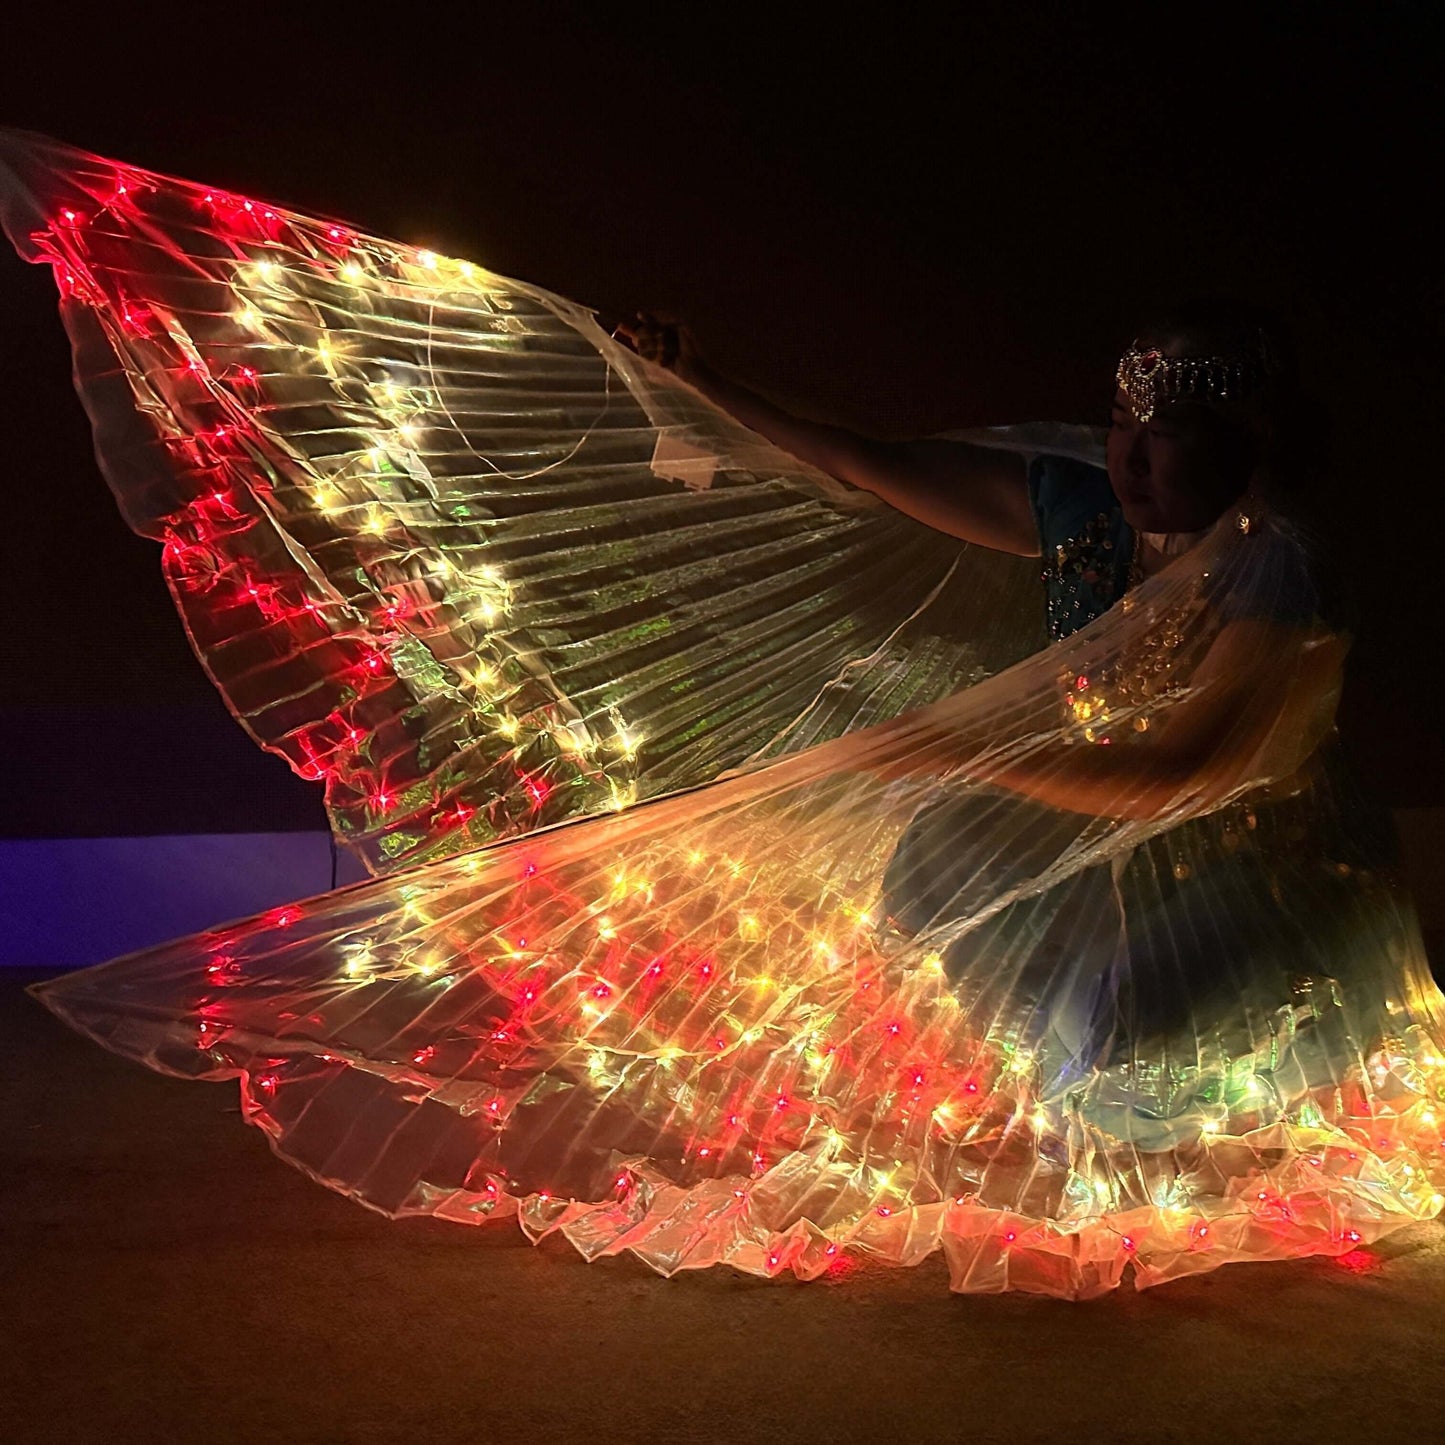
(753, 884)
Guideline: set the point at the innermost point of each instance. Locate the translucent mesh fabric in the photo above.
(1076, 968)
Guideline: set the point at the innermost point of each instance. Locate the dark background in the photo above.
(898, 222)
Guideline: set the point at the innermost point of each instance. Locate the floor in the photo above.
(171, 1280)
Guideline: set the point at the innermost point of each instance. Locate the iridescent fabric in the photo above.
(638, 721)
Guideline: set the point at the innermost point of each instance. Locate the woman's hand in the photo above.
(662, 340)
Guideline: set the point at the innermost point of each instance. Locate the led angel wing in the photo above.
(444, 545)
(997, 975)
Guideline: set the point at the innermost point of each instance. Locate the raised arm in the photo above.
(976, 493)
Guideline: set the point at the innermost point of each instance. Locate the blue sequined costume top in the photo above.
(1087, 545)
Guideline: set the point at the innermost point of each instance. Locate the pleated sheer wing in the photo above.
(447, 547)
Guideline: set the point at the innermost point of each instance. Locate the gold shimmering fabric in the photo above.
(752, 885)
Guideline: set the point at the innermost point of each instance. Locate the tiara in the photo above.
(1150, 379)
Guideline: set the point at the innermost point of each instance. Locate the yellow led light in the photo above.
(429, 259)
(353, 273)
(605, 930)
(568, 741)
(508, 726)
(1211, 1126)
(408, 431)
(248, 317)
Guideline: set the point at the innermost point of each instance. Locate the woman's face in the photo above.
(1178, 471)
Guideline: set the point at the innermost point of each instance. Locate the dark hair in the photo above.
(1293, 444)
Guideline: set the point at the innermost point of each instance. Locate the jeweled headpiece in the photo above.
(1151, 379)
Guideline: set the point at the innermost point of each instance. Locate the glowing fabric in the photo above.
(959, 956)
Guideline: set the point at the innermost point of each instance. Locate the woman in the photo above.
(1201, 435)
